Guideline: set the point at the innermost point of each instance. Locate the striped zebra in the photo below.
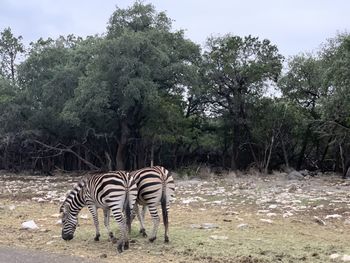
(155, 186)
(114, 192)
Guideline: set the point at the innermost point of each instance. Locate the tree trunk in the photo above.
(269, 155)
(122, 144)
(79, 161)
(303, 149)
(109, 161)
(285, 155)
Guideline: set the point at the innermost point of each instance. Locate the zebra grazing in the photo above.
(155, 186)
(112, 191)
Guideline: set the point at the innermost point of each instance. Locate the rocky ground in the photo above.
(231, 218)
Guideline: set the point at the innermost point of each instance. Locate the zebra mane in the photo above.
(76, 188)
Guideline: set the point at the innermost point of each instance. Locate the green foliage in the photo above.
(143, 93)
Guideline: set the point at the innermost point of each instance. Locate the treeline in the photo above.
(142, 93)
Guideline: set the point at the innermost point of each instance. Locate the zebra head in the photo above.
(70, 208)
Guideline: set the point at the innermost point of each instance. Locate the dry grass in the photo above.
(295, 239)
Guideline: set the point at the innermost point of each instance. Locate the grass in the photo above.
(295, 239)
(283, 241)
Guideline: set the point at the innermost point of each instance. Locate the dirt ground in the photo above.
(246, 218)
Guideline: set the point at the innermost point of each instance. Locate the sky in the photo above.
(295, 26)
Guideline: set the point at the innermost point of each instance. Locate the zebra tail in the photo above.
(163, 202)
(128, 212)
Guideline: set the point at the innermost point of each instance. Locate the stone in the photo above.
(335, 216)
(293, 188)
(84, 216)
(287, 214)
(272, 206)
(215, 237)
(346, 258)
(271, 214)
(29, 225)
(269, 221)
(334, 256)
(242, 226)
(295, 175)
(209, 226)
(319, 221)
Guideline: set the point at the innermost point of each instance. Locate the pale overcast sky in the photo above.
(293, 25)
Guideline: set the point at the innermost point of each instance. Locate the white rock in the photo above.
(189, 200)
(50, 242)
(271, 214)
(29, 225)
(12, 207)
(335, 216)
(243, 226)
(269, 221)
(345, 258)
(272, 206)
(59, 222)
(334, 256)
(209, 226)
(287, 214)
(215, 237)
(84, 216)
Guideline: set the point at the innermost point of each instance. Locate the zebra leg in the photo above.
(123, 242)
(155, 218)
(93, 211)
(141, 218)
(106, 213)
(166, 224)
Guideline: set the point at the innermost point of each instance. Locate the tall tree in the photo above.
(139, 67)
(10, 48)
(239, 70)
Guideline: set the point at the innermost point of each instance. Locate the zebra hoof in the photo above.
(166, 240)
(152, 239)
(120, 248)
(97, 238)
(126, 245)
(143, 232)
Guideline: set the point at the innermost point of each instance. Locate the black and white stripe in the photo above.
(114, 192)
(155, 187)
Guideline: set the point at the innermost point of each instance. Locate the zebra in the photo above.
(114, 191)
(155, 186)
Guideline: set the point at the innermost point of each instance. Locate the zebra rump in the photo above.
(114, 191)
(155, 187)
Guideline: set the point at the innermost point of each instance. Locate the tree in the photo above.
(335, 110)
(302, 84)
(10, 48)
(139, 67)
(238, 71)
